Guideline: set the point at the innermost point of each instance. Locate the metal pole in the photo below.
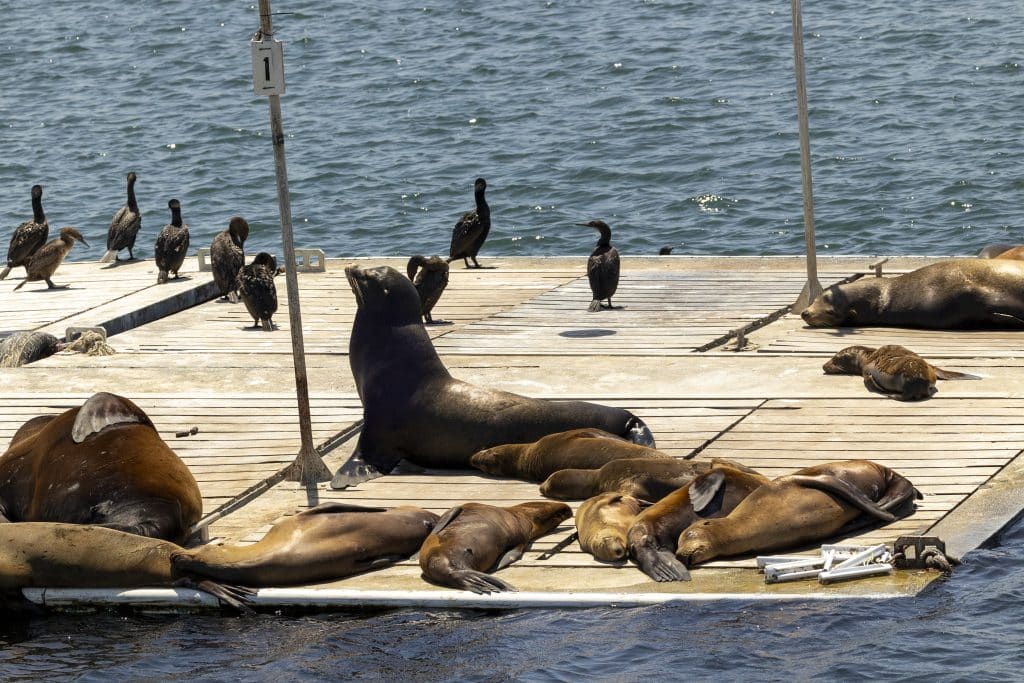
(812, 288)
(308, 466)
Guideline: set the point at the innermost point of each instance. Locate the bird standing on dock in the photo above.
(256, 287)
(124, 226)
(471, 230)
(430, 276)
(44, 263)
(227, 256)
(603, 266)
(171, 244)
(29, 236)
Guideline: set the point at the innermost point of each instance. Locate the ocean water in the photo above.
(673, 121)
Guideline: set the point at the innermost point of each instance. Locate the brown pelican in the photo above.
(171, 244)
(124, 226)
(471, 230)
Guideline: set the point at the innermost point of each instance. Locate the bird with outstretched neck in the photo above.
(471, 230)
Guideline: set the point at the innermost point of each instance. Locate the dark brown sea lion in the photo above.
(953, 294)
(655, 532)
(602, 523)
(573, 449)
(811, 505)
(327, 542)
(103, 463)
(649, 479)
(891, 369)
(473, 539)
(414, 409)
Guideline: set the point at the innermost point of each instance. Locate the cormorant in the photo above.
(227, 256)
(602, 266)
(665, 251)
(471, 230)
(256, 287)
(124, 226)
(44, 263)
(29, 236)
(171, 244)
(430, 275)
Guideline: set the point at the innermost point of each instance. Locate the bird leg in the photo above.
(49, 283)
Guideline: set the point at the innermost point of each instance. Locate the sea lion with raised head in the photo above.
(602, 523)
(414, 409)
(809, 506)
(953, 294)
(103, 463)
(573, 449)
(654, 534)
(891, 369)
(472, 540)
(649, 479)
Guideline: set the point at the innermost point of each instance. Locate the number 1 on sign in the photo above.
(267, 67)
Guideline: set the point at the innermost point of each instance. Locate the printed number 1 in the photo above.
(266, 67)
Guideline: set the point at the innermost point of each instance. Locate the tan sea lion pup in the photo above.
(573, 449)
(809, 506)
(891, 369)
(474, 539)
(654, 534)
(602, 523)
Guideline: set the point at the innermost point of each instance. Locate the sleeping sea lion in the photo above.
(891, 369)
(655, 532)
(414, 409)
(953, 294)
(473, 539)
(103, 463)
(994, 250)
(573, 449)
(602, 523)
(649, 479)
(809, 506)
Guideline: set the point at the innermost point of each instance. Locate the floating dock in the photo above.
(703, 349)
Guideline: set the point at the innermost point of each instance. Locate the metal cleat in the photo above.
(203, 259)
(922, 552)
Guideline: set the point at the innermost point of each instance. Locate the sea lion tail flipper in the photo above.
(638, 432)
(704, 488)
(103, 410)
(338, 506)
(1008, 318)
(237, 597)
(478, 582)
(953, 374)
(660, 564)
(358, 468)
(509, 557)
(447, 518)
(835, 485)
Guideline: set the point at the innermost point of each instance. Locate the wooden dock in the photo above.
(669, 353)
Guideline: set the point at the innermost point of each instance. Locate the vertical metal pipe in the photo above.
(812, 288)
(308, 467)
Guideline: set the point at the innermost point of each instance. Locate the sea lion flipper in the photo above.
(661, 565)
(446, 519)
(103, 410)
(360, 467)
(509, 557)
(237, 597)
(727, 462)
(704, 488)
(952, 374)
(338, 506)
(478, 582)
(638, 432)
(835, 485)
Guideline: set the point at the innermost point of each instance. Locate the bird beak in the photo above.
(584, 225)
(84, 242)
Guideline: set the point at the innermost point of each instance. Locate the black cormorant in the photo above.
(256, 287)
(227, 256)
(44, 263)
(171, 244)
(602, 266)
(430, 275)
(471, 230)
(124, 226)
(29, 236)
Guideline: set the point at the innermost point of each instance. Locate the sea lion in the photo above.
(1014, 252)
(22, 348)
(891, 369)
(602, 523)
(103, 463)
(649, 479)
(994, 250)
(326, 542)
(953, 294)
(573, 449)
(653, 537)
(414, 409)
(473, 539)
(811, 505)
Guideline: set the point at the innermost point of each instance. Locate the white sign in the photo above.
(267, 67)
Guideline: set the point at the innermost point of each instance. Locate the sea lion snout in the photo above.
(610, 548)
(694, 545)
